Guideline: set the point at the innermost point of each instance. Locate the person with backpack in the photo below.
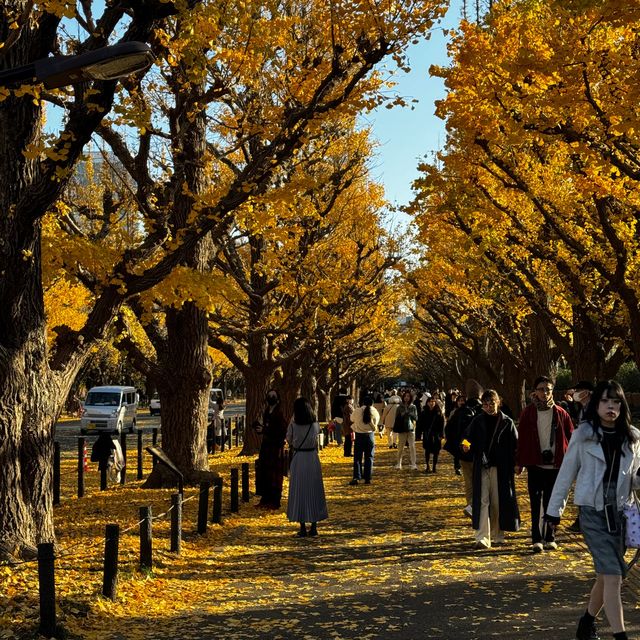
(405, 426)
(389, 417)
(457, 430)
(365, 424)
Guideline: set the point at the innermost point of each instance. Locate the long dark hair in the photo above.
(366, 414)
(623, 421)
(302, 411)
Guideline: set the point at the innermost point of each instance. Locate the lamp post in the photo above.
(107, 63)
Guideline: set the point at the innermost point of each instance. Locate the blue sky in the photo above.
(406, 136)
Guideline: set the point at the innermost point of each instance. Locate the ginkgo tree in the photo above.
(307, 59)
(539, 167)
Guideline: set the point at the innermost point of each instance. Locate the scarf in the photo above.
(543, 405)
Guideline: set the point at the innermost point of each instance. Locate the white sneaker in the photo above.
(551, 546)
(414, 467)
(468, 511)
(537, 547)
(481, 545)
(398, 466)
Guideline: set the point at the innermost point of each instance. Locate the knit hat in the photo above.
(472, 388)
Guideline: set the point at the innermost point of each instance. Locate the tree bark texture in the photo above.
(257, 377)
(183, 383)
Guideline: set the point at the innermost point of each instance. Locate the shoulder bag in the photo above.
(631, 512)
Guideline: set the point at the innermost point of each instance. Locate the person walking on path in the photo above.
(430, 430)
(307, 501)
(603, 458)
(379, 405)
(365, 424)
(492, 442)
(337, 407)
(405, 426)
(456, 431)
(347, 430)
(544, 430)
(270, 474)
(388, 419)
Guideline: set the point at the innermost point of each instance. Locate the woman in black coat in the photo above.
(431, 430)
(493, 440)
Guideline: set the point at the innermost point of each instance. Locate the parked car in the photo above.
(154, 405)
(109, 408)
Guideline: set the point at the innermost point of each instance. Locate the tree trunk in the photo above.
(309, 388)
(257, 379)
(29, 399)
(184, 379)
(290, 388)
(183, 385)
(542, 359)
(513, 389)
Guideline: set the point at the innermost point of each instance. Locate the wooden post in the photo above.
(56, 472)
(235, 507)
(203, 504)
(110, 576)
(47, 589)
(245, 482)
(154, 441)
(81, 445)
(140, 434)
(176, 523)
(256, 464)
(146, 539)
(123, 445)
(216, 512)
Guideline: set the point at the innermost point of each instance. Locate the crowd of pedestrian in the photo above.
(586, 438)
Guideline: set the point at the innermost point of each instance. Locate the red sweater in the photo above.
(529, 452)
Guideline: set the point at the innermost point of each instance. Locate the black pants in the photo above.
(540, 484)
(347, 445)
(435, 455)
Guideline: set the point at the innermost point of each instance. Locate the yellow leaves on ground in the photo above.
(404, 533)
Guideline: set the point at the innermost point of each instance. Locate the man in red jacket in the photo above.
(544, 430)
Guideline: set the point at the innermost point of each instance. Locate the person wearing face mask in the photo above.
(603, 459)
(492, 442)
(581, 396)
(269, 472)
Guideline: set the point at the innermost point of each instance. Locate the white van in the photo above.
(111, 409)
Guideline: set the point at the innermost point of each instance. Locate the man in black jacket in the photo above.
(337, 407)
(457, 430)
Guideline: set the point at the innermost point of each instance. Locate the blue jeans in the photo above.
(337, 432)
(363, 450)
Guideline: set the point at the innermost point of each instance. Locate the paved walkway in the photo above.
(393, 562)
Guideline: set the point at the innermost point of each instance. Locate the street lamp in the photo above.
(107, 63)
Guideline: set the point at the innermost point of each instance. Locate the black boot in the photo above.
(313, 531)
(303, 530)
(587, 628)
(621, 635)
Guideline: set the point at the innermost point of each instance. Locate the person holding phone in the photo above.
(603, 458)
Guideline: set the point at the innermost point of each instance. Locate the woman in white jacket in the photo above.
(603, 458)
